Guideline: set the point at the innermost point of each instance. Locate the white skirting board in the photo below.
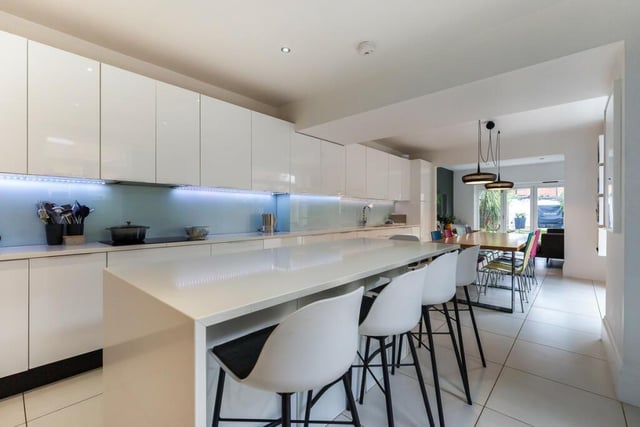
(626, 376)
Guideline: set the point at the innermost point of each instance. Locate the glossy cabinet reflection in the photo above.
(177, 135)
(225, 144)
(65, 307)
(356, 170)
(333, 169)
(128, 126)
(306, 169)
(399, 178)
(377, 174)
(13, 103)
(270, 145)
(63, 113)
(14, 316)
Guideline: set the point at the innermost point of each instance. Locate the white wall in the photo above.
(579, 174)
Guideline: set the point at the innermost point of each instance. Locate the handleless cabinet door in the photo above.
(270, 145)
(333, 169)
(377, 174)
(13, 103)
(306, 169)
(405, 179)
(356, 170)
(225, 144)
(14, 317)
(395, 178)
(128, 126)
(136, 256)
(65, 307)
(63, 113)
(178, 135)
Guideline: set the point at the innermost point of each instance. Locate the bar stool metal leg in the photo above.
(387, 384)
(286, 409)
(454, 343)
(434, 363)
(364, 370)
(463, 358)
(423, 390)
(218, 403)
(346, 381)
(475, 327)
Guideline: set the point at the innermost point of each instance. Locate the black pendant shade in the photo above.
(498, 184)
(479, 177)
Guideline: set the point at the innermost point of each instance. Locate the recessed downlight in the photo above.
(285, 49)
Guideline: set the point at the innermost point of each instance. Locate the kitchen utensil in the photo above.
(197, 232)
(268, 223)
(127, 233)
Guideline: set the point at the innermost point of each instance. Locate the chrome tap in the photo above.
(363, 220)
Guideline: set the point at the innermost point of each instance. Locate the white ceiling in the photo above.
(438, 66)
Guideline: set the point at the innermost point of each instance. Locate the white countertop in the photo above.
(214, 289)
(39, 251)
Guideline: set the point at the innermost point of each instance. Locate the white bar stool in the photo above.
(394, 311)
(439, 289)
(311, 348)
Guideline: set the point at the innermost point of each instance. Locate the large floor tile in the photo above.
(496, 347)
(496, 322)
(563, 338)
(578, 322)
(541, 402)
(570, 303)
(481, 380)
(52, 397)
(577, 370)
(632, 414)
(87, 413)
(12, 411)
(408, 407)
(491, 418)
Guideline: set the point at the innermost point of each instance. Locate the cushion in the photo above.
(241, 355)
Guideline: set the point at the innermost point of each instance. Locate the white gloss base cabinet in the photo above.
(14, 317)
(63, 113)
(225, 144)
(177, 135)
(140, 256)
(65, 307)
(13, 103)
(270, 153)
(127, 126)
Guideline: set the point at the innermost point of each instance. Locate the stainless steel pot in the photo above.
(128, 233)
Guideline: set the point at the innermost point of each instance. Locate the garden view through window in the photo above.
(521, 209)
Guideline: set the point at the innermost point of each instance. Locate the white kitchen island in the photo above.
(160, 319)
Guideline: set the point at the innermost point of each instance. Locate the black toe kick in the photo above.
(46, 374)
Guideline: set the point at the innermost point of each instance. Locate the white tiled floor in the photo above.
(546, 367)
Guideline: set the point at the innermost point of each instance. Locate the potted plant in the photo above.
(520, 220)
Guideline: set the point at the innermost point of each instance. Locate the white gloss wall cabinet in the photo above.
(14, 317)
(139, 256)
(270, 145)
(63, 113)
(356, 170)
(399, 178)
(177, 135)
(13, 103)
(225, 144)
(333, 169)
(377, 174)
(306, 164)
(65, 307)
(127, 126)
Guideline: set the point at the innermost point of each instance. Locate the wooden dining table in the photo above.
(507, 242)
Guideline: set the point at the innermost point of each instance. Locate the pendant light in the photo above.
(498, 184)
(481, 177)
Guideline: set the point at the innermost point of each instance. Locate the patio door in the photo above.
(521, 209)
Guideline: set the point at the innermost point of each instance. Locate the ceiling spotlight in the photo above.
(366, 48)
(285, 49)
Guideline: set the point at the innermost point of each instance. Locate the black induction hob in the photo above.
(147, 241)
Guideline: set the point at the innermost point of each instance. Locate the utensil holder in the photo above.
(54, 233)
(75, 229)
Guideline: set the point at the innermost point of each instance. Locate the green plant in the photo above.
(489, 210)
(520, 215)
(449, 219)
